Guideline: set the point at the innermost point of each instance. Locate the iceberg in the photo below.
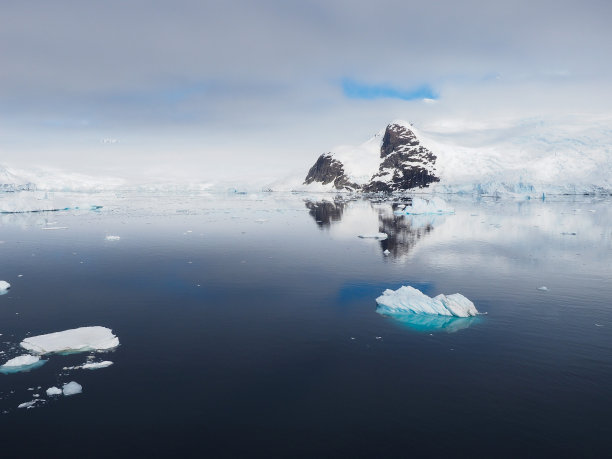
(25, 362)
(72, 388)
(4, 286)
(422, 206)
(81, 339)
(409, 300)
(381, 236)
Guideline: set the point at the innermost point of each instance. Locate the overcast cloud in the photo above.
(205, 88)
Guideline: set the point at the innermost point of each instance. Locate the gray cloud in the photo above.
(261, 81)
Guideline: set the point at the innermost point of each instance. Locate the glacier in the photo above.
(81, 339)
(409, 300)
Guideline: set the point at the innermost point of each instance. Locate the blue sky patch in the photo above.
(356, 90)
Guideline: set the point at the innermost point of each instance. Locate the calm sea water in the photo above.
(248, 328)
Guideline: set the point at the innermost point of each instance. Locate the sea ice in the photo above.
(51, 391)
(4, 286)
(381, 236)
(543, 288)
(113, 238)
(423, 206)
(76, 340)
(25, 362)
(91, 365)
(96, 365)
(72, 388)
(29, 404)
(409, 300)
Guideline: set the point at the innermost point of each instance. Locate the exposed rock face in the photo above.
(404, 164)
(327, 170)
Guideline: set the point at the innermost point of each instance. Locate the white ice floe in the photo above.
(381, 236)
(30, 404)
(407, 299)
(4, 286)
(72, 388)
(113, 238)
(76, 340)
(386, 252)
(52, 391)
(424, 206)
(96, 365)
(22, 360)
(91, 365)
(543, 288)
(25, 362)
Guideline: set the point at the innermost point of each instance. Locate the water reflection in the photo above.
(326, 211)
(354, 216)
(428, 322)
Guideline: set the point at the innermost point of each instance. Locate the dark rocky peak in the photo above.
(326, 170)
(397, 136)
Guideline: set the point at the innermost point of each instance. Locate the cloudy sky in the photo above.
(203, 89)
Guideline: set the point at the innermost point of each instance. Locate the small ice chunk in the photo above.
(543, 288)
(72, 388)
(4, 285)
(97, 365)
(28, 405)
(381, 236)
(113, 238)
(386, 252)
(75, 340)
(51, 391)
(408, 299)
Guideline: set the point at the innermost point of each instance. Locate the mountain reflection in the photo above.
(403, 231)
(327, 211)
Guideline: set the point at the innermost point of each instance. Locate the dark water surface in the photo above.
(248, 328)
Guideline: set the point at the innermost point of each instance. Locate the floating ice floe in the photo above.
(409, 300)
(69, 341)
(381, 236)
(113, 238)
(423, 206)
(52, 391)
(30, 404)
(21, 363)
(543, 288)
(72, 388)
(91, 366)
(4, 286)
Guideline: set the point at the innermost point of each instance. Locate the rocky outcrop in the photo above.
(329, 170)
(404, 164)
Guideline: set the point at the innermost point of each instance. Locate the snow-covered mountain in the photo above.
(392, 160)
(10, 181)
(532, 157)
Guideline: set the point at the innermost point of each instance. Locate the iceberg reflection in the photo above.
(429, 322)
